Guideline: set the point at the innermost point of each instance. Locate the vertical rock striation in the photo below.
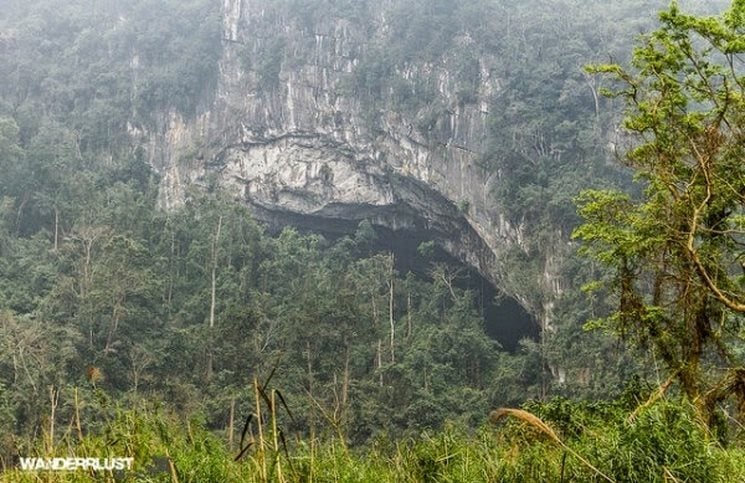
(298, 129)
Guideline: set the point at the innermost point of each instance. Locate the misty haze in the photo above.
(353, 240)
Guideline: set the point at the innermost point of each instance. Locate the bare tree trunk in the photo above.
(545, 369)
(15, 369)
(88, 246)
(408, 315)
(380, 361)
(169, 297)
(379, 352)
(77, 415)
(25, 369)
(311, 414)
(391, 315)
(20, 212)
(116, 317)
(231, 422)
(53, 401)
(310, 369)
(337, 402)
(447, 279)
(214, 271)
(345, 383)
(213, 297)
(374, 310)
(140, 360)
(56, 229)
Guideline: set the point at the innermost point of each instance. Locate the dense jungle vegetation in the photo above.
(210, 348)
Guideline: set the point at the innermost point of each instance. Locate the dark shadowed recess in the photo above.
(505, 319)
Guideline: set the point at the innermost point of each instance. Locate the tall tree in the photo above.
(677, 255)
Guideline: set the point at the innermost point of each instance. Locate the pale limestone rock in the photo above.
(305, 145)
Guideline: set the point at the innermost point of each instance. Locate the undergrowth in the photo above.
(554, 441)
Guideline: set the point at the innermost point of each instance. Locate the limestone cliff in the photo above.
(292, 130)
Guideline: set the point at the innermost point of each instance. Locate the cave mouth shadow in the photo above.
(505, 320)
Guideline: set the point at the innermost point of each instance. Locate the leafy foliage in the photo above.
(664, 442)
(674, 255)
(106, 299)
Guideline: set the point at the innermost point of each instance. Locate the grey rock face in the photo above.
(289, 132)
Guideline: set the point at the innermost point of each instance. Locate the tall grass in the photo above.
(558, 441)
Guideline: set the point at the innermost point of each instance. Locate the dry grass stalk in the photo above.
(260, 455)
(525, 416)
(536, 422)
(656, 396)
(670, 477)
(172, 468)
(77, 415)
(275, 432)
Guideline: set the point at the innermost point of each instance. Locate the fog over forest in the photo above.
(346, 240)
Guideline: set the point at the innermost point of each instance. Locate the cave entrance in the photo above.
(505, 320)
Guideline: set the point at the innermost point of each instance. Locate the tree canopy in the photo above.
(677, 254)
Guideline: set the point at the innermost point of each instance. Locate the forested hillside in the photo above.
(155, 304)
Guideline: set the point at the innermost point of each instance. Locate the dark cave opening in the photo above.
(505, 320)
